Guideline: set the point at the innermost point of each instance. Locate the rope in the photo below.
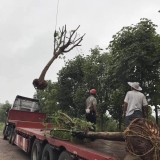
(142, 139)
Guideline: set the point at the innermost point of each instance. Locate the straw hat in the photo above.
(135, 85)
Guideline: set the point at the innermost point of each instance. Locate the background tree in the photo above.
(71, 87)
(3, 109)
(135, 57)
(48, 98)
(77, 78)
(115, 106)
(95, 69)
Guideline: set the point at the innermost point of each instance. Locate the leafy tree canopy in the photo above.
(134, 53)
(3, 109)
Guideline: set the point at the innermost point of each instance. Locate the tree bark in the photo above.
(114, 136)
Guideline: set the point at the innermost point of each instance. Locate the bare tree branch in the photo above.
(63, 42)
(75, 45)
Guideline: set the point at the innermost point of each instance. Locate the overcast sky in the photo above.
(27, 27)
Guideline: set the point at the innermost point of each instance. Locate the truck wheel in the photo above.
(5, 133)
(65, 156)
(49, 153)
(12, 136)
(36, 152)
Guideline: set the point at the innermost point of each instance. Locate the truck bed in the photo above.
(105, 148)
(30, 125)
(112, 148)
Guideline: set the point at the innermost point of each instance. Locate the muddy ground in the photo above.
(11, 152)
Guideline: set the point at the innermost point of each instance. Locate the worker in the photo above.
(135, 104)
(91, 110)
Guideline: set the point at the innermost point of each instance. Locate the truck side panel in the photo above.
(26, 116)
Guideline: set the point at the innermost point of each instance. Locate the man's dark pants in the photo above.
(91, 117)
(136, 114)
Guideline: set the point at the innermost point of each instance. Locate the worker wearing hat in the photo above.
(91, 104)
(135, 103)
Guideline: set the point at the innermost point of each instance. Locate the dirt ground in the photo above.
(11, 152)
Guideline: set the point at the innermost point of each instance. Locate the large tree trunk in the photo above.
(114, 136)
(142, 138)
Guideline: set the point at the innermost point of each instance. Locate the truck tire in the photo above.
(65, 156)
(12, 136)
(36, 152)
(49, 154)
(5, 133)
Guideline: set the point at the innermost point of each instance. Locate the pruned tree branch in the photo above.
(63, 42)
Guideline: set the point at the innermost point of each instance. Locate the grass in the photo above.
(1, 127)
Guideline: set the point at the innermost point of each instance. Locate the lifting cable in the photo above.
(55, 32)
(56, 15)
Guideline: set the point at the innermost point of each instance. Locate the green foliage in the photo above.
(48, 98)
(3, 109)
(63, 121)
(64, 127)
(61, 134)
(134, 56)
(71, 95)
(115, 107)
(78, 77)
(111, 125)
(81, 125)
(1, 127)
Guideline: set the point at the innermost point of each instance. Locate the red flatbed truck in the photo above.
(25, 128)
